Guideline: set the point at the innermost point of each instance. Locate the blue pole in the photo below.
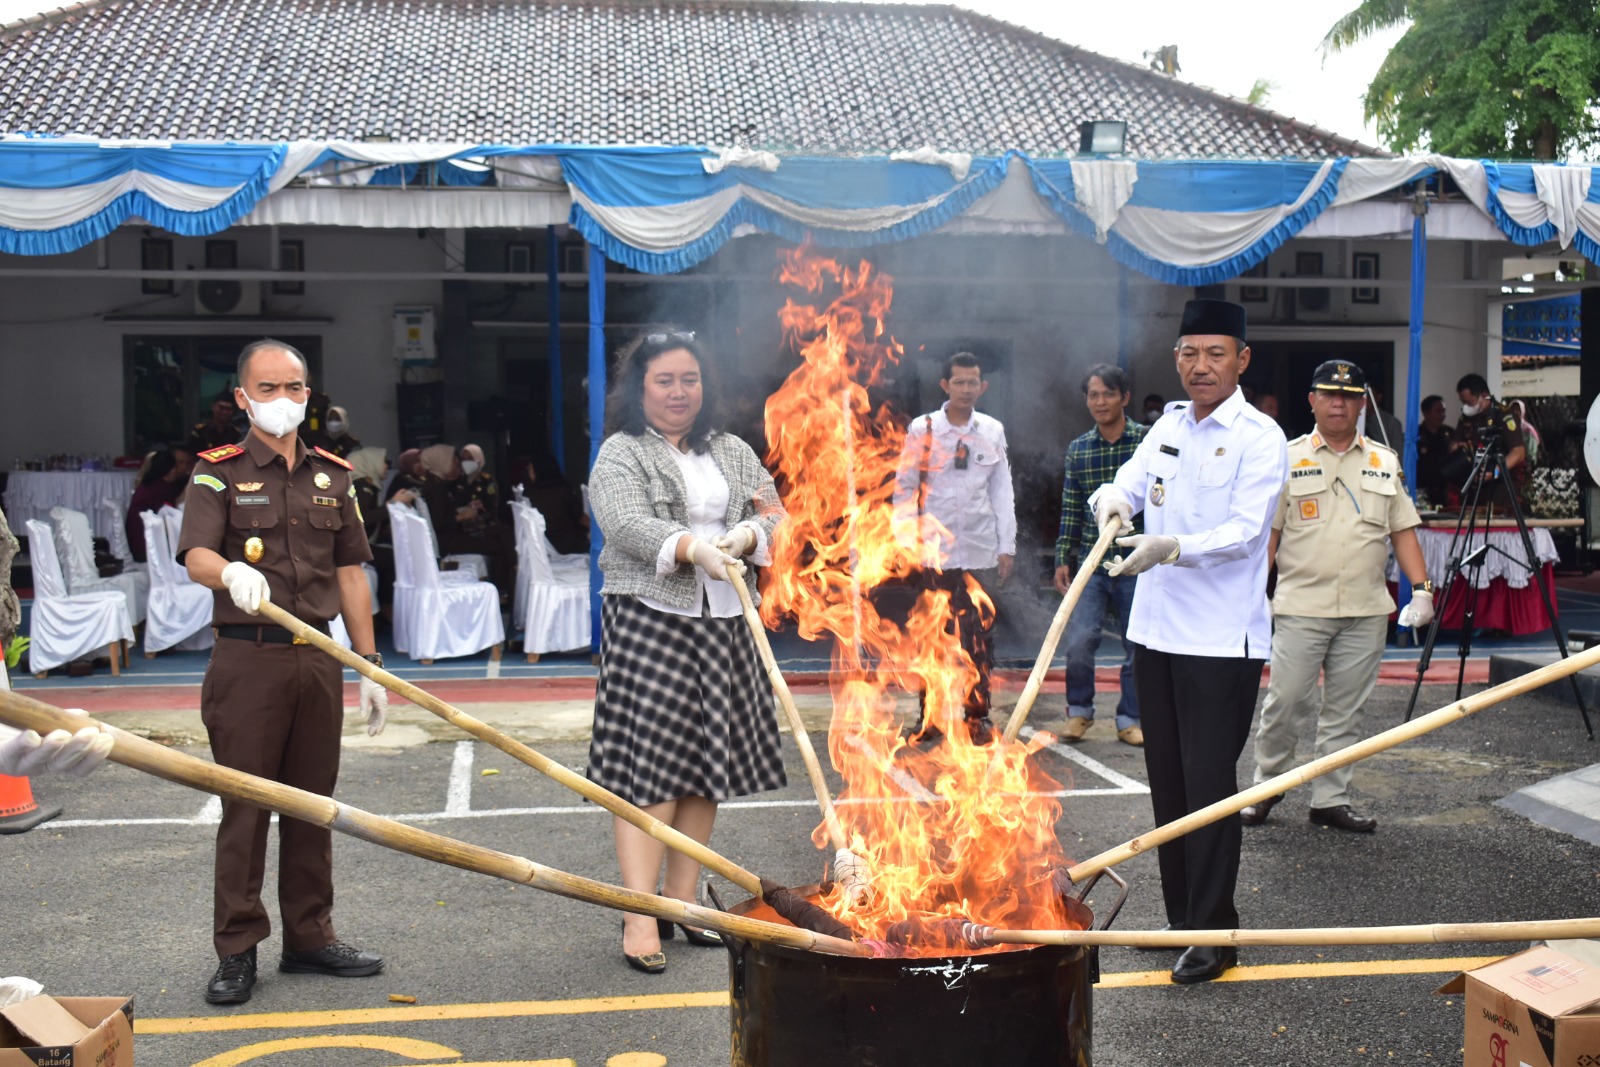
(558, 422)
(597, 421)
(1419, 286)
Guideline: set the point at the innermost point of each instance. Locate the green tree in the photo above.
(1493, 78)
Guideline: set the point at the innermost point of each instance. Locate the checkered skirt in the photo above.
(681, 708)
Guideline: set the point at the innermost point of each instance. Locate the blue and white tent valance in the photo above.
(664, 208)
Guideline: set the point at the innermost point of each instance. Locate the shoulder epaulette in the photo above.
(325, 454)
(217, 455)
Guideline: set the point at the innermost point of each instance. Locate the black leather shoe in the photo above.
(650, 963)
(1162, 948)
(1344, 817)
(235, 978)
(1256, 814)
(705, 938)
(338, 959)
(1202, 963)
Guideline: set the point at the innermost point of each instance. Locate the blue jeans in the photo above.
(1105, 600)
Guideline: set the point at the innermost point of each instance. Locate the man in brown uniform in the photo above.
(218, 430)
(268, 520)
(1485, 419)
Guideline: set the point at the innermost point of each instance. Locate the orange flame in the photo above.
(955, 831)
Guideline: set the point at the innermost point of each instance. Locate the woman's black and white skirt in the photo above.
(681, 708)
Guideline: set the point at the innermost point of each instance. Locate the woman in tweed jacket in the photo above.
(683, 716)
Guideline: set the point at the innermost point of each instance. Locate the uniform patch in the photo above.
(1158, 494)
(248, 487)
(352, 493)
(255, 500)
(1309, 510)
(1374, 460)
(1305, 469)
(325, 454)
(321, 481)
(254, 549)
(214, 484)
(326, 501)
(217, 455)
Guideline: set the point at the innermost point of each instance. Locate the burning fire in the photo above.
(952, 831)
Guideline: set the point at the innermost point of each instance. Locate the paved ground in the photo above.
(114, 898)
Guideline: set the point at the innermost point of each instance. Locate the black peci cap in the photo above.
(1203, 318)
(1339, 376)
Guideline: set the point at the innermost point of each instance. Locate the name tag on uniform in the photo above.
(252, 501)
(1309, 470)
(1169, 450)
(326, 501)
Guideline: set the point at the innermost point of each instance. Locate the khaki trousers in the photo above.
(1347, 652)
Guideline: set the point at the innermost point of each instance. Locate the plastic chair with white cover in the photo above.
(66, 626)
(448, 619)
(180, 608)
(119, 535)
(556, 616)
(469, 563)
(75, 548)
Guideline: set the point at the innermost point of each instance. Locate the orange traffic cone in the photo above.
(18, 811)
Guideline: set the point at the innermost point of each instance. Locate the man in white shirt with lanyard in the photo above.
(1207, 478)
(954, 472)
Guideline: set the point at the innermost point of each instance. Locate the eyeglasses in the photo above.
(681, 337)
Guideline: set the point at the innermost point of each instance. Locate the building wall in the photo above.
(62, 362)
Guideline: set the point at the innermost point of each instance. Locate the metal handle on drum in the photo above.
(737, 954)
(1083, 892)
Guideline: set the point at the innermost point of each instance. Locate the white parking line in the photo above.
(458, 796)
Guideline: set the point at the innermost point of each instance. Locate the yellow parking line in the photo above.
(295, 1020)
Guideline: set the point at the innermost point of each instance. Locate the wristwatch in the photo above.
(1426, 586)
(376, 659)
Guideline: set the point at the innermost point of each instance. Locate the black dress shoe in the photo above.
(1163, 948)
(1344, 817)
(235, 978)
(707, 938)
(1256, 814)
(1202, 963)
(980, 729)
(338, 959)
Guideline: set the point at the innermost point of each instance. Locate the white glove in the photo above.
(737, 542)
(713, 560)
(24, 754)
(374, 705)
(1112, 503)
(247, 586)
(1145, 551)
(1419, 612)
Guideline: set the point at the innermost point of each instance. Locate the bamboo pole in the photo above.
(608, 800)
(1058, 626)
(797, 726)
(1431, 934)
(1388, 739)
(140, 754)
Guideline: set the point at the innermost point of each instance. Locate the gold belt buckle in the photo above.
(298, 640)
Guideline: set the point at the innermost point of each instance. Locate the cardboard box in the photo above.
(1540, 1008)
(46, 1031)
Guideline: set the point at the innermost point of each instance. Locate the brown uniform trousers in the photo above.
(275, 711)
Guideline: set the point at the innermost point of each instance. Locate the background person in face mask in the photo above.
(1482, 417)
(479, 490)
(336, 436)
(1153, 405)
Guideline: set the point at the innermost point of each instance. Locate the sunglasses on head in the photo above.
(681, 337)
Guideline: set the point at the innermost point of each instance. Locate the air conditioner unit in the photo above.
(214, 296)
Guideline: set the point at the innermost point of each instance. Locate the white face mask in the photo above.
(278, 417)
(336, 428)
(1471, 410)
(469, 467)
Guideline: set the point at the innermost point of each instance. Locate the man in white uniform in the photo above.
(955, 481)
(1207, 478)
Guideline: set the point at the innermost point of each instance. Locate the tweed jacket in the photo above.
(639, 500)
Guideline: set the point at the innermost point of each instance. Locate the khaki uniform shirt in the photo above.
(304, 516)
(1334, 519)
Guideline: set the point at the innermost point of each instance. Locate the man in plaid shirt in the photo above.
(1092, 461)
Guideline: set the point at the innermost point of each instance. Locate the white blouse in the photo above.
(707, 500)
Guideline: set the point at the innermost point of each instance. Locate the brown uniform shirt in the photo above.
(305, 517)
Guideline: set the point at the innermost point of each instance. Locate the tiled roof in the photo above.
(822, 77)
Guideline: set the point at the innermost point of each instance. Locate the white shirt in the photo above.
(1213, 485)
(706, 495)
(975, 505)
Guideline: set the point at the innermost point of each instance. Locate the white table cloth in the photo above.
(1503, 543)
(31, 495)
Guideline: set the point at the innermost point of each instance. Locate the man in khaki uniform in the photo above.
(1343, 506)
(269, 520)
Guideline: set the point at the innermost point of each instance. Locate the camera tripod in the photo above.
(1488, 468)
